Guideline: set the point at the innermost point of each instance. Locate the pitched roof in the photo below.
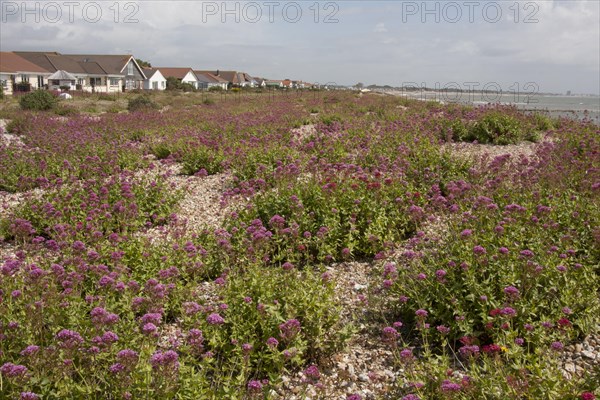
(101, 63)
(62, 76)
(208, 77)
(93, 64)
(12, 62)
(149, 72)
(178, 73)
(52, 61)
(229, 76)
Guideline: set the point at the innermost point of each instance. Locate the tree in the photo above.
(359, 85)
(142, 63)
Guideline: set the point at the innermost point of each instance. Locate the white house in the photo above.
(17, 73)
(94, 72)
(206, 80)
(155, 80)
(184, 75)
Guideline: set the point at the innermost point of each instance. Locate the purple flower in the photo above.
(128, 357)
(191, 308)
(215, 319)
(389, 334)
(449, 386)
(287, 266)
(289, 329)
(247, 347)
(526, 253)
(421, 313)
(411, 397)
(479, 250)
(272, 343)
(556, 346)
(116, 368)
(15, 294)
(440, 273)
(312, 374)
(508, 311)
(29, 350)
(149, 328)
(511, 292)
(109, 337)
(154, 318)
(29, 396)
(443, 329)
(466, 233)
(468, 350)
(354, 397)
(10, 370)
(406, 354)
(167, 361)
(255, 386)
(78, 246)
(561, 268)
(528, 327)
(519, 341)
(69, 339)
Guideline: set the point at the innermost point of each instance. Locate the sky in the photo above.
(514, 46)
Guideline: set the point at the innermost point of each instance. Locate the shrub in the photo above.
(141, 103)
(195, 159)
(497, 128)
(66, 110)
(215, 89)
(107, 97)
(40, 100)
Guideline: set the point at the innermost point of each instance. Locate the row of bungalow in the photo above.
(25, 70)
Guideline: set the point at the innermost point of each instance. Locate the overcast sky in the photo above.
(469, 44)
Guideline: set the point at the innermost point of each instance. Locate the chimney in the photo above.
(218, 73)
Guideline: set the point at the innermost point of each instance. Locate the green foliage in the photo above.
(176, 84)
(141, 103)
(39, 100)
(65, 110)
(195, 158)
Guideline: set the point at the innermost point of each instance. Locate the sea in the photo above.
(571, 106)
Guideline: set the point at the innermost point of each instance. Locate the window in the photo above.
(130, 68)
(4, 83)
(40, 80)
(154, 85)
(163, 84)
(55, 82)
(114, 81)
(81, 81)
(24, 78)
(95, 81)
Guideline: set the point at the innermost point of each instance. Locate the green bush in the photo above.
(141, 103)
(215, 89)
(66, 111)
(195, 159)
(40, 100)
(497, 128)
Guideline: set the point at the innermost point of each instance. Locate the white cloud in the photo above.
(380, 28)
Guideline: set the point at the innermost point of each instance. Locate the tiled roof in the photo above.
(13, 63)
(101, 63)
(178, 73)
